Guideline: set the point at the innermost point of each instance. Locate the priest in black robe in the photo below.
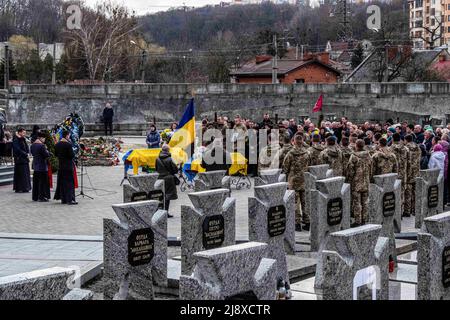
(41, 185)
(65, 188)
(22, 177)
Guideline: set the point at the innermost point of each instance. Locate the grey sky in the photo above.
(149, 6)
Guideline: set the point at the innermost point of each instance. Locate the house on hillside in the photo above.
(313, 68)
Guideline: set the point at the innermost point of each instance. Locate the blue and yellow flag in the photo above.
(184, 137)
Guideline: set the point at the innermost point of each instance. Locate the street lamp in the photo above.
(143, 58)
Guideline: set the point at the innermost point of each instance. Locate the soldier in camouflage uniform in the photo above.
(359, 172)
(287, 146)
(332, 155)
(346, 152)
(267, 156)
(402, 154)
(295, 165)
(413, 168)
(384, 161)
(315, 150)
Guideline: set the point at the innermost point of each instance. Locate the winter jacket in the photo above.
(20, 150)
(437, 160)
(295, 165)
(40, 157)
(153, 140)
(108, 114)
(332, 155)
(359, 171)
(445, 148)
(167, 169)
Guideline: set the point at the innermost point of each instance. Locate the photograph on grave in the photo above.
(210, 223)
(269, 176)
(234, 272)
(144, 187)
(433, 258)
(135, 251)
(357, 266)
(271, 216)
(385, 207)
(429, 195)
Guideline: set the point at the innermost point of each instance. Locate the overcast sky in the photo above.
(149, 6)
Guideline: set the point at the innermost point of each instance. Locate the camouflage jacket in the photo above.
(295, 165)
(402, 154)
(332, 156)
(384, 162)
(314, 153)
(282, 153)
(413, 166)
(346, 153)
(359, 171)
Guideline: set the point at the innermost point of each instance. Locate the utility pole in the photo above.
(275, 61)
(6, 83)
(54, 65)
(144, 58)
(386, 61)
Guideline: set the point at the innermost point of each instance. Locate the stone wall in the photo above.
(140, 103)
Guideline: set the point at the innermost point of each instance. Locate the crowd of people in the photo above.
(356, 151)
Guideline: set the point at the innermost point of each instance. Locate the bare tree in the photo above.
(433, 31)
(105, 34)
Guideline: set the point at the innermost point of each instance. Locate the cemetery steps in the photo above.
(6, 175)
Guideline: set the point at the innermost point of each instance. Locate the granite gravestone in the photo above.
(314, 174)
(331, 213)
(385, 207)
(135, 251)
(433, 258)
(225, 273)
(144, 187)
(46, 284)
(212, 180)
(357, 266)
(269, 177)
(271, 216)
(331, 210)
(429, 195)
(209, 224)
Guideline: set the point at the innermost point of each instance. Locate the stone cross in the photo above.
(210, 223)
(46, 284)
(225, 273)
(212, 180)
(357, 266)
(135, 251)
(385, 207)
(271, 216)
(144, 187)
(314, 174)
(433, 258)
(429, 195)
(331, 210)
(269, 177)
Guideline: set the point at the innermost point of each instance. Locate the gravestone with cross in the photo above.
(269, 177)
(429, 195)
(385, 207)
(212, 180)
(356, 268)
(433, 258)
(135, 251)
(311, 176)
(231, 272)
(331, 213)
(144, 187)
(271, 218)
(209, 224)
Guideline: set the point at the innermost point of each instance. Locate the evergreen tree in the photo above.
(357, 56)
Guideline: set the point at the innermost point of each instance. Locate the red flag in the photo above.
(319, 104)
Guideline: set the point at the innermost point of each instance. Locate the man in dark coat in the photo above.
(167, 170)
(216, 157)
(108, 114)
(22, 180)
(41, 186)
(65, 189)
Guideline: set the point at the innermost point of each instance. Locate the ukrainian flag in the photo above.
(184, 137)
